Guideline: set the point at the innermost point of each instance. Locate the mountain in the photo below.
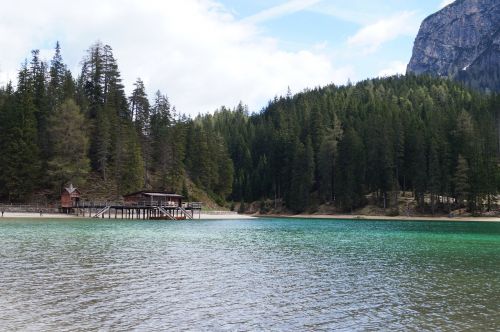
(461, 41)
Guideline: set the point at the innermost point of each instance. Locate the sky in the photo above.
(207, 53)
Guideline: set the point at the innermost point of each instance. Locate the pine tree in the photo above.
(131, 177)
(38, 73)
(140, 109)
(326, 161)
(69, 161)
(58, 78)
(461, 180)
(21, 166)
(350, 171)
(160, 124)
(302, 177)
(434, 174)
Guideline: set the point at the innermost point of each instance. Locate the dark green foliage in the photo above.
(461, 180)
(139, 107)
(326, 161)
(185, 191)
(69, 161)
(140, 111)
(207, 160)
(377, 137)
(20, 168)
(333, 145)
(131, 172)
(351, 170)
(167, 145)
(298, 198)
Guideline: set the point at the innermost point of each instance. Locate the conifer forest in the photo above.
(335, 145)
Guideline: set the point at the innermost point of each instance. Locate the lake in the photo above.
(265, 274)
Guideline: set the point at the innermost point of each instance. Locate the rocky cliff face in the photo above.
(461, 41)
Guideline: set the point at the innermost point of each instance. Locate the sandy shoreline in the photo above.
(205, 216)
(230, 216)
(34, 215)
(398, 218)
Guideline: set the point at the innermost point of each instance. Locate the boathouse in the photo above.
(70, 197)
(153, 205)
(153, 198)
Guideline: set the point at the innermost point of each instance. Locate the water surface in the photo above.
(267, 274)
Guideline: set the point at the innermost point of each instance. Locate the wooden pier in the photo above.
(146, 205)
(144, 210)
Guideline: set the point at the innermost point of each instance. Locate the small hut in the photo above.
(153, 198)
(70, 198)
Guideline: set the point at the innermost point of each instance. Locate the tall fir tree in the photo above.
(69, 161)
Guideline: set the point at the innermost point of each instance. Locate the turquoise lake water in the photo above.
(266, 274)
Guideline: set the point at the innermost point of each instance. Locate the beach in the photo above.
(218, 216)
(225, 215)
(37, 215)
(396, 218)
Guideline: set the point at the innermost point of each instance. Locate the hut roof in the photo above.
(154, 194)
(72, 189)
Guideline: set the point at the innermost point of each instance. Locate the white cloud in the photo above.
(394, 68)
(286, 8)
(347, 13)
(193, 50)
(445, 3)
(371, 37)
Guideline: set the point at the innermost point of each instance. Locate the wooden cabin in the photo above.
(153, 198)
(70, 197)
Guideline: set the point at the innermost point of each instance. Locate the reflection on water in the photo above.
(268, 274)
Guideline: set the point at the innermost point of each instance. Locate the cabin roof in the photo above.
(72, 189)
(161, 195)
(154, 194)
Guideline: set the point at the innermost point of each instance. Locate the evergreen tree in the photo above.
(21, 165)
(58, 78)
(461, 180)
(69, 161)
(434, 173)
(140, 109)
(302, 177)
(38, 73)
(350, 171)
(131, 178)
(331, 144)
(326, 161)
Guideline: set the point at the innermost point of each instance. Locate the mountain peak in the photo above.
(461, 41)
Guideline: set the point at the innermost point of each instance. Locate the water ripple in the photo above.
(271, 275)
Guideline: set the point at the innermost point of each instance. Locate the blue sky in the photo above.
(208, 53)
(330, 24)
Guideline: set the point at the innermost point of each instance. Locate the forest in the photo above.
(334, 145)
